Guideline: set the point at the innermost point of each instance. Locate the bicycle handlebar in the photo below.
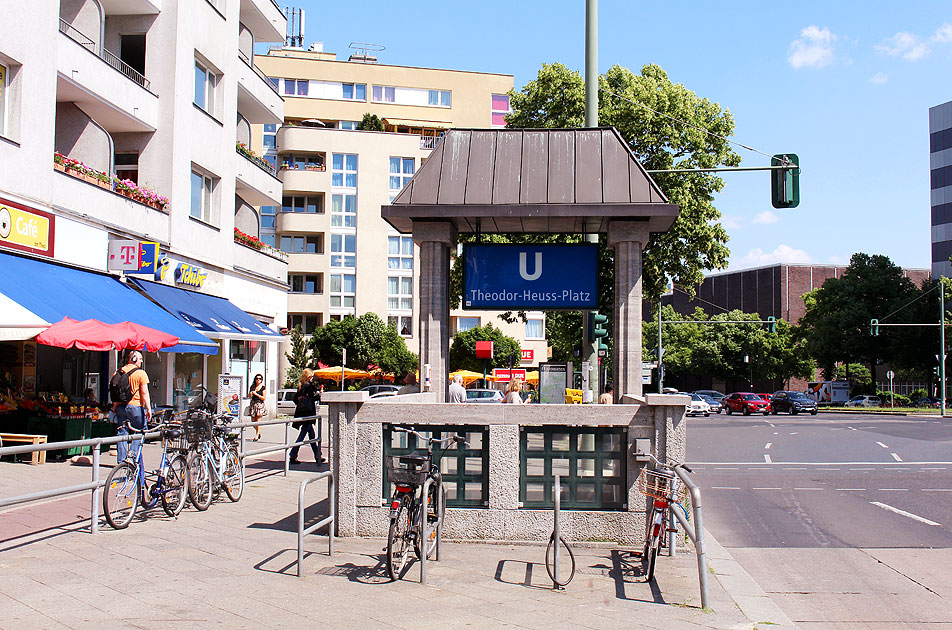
(430, 440)
(663, 464)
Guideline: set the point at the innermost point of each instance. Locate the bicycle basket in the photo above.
(406, 470)
(660, 486)
(198, 428)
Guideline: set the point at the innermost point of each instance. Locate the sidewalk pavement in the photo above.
(234, 566)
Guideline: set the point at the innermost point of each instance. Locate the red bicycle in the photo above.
(664, 488)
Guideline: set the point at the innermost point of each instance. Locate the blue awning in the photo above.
(53, 292)
(213, 316)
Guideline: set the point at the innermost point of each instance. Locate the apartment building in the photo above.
(344, 259)
(160, 96)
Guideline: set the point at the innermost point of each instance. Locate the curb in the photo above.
(749, 597)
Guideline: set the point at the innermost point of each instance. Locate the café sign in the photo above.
(26, 229)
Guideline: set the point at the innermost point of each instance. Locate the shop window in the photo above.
(591, 462)
(464, 467)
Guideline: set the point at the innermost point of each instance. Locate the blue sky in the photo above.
(845, 85)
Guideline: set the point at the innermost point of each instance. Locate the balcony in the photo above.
(307, 302)
(265, 19)
(303, 180)
(106, 94)
(258, 98)
(267, 262)
(302, 223)
(130, 7)
(254, 183)
(108, 207)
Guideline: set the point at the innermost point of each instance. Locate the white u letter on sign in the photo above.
(538, 266)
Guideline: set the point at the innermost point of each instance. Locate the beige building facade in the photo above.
(344, 259)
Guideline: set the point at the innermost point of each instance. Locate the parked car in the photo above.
(697, 406)
(376, 389)
(713, 393)
(928, 402)
(864, 401)
(712, 402)
(792, 403)
(483, 395)
(286, 403)
(746, 403)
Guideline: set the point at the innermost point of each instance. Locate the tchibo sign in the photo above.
(530, 277)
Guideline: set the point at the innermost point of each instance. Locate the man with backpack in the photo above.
(129, 392)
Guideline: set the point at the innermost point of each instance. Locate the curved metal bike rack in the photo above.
(328, 520)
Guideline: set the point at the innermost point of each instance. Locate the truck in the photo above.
(829, 392)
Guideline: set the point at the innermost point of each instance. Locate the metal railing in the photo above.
(429, 142)
(695, 533)
(110, 58)
(328, 520)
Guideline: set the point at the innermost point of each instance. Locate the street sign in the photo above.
(484, 349)
(890, 375)
(543, 277)
(528, 355)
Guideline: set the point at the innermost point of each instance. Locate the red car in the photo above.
(746, 403)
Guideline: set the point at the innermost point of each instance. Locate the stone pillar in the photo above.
(435, 238)
(627, 239)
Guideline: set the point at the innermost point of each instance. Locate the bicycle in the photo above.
(409, 473)
(128, 482)
(663, 487)
(213, 461)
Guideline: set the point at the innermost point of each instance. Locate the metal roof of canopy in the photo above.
(531, 180)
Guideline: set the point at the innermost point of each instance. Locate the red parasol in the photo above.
(92, 334)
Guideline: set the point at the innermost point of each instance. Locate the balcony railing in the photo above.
(429, 142)
(254, 158)
(251, 64)
(131, 73)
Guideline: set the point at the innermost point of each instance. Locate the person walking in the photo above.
(607, 398)
(512, 392)
(457, 393)
(306, 400)
(129, 391)
(258, 409)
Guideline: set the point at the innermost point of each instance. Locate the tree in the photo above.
(861, 380)
(298, 358)
(463, 350)
(370, 122)
(368, 341)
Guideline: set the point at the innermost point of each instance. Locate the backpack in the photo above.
(120, 390)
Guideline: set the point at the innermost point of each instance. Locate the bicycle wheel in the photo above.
(398, 541)
(652, 544)
(175, 486)
(434, 519)
(234, 475)
(199, 481)
(120, 497)
(563, 577)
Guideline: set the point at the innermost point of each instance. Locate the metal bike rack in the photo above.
(328, 520)
(695, 533)
(424, 528)
(556, 533)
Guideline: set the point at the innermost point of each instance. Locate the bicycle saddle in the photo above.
(415, 458)
(172, 434)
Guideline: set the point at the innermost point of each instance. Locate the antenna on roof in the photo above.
(364, 52)
(295, 34)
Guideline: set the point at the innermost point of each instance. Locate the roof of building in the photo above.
(531, 180)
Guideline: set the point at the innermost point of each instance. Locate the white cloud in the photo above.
(783, 254)
(943, 34)
(906, 45)
(766, 217)
(879, 78)
(813, 49)
(839, 260)
(731, 222)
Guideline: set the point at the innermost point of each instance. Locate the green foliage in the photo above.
(916, 394)
(370, 122)
(369, 342)
(899, 400)
(696, 242)
(463, 350)
(563, 333)
(298, 358)
(858, 374)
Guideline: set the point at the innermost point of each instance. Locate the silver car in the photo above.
(286, 405)
(483, 395)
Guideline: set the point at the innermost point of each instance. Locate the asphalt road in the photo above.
(842, 519)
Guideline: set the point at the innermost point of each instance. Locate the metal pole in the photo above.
(426, 487)
(287, 453)
(699, 546)
(300, 529)
(440, 509)
(97, 491)
(660, 352)
(942, 343)
(556, 534)
(591, 120)
(672, 533)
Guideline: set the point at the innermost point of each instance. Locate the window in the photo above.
(403, 324)
(302, 244)
(401, 171)
(308, 323)
(274, 81)
(348, 124)
(127, 166)
(466, 323)
(343, 290)
(313, 204)
(440, 98)
(205, 83)
(400, 252)
(267, 239)
(500, 108)
(383, 94)
(465, 467)
(343, 250)
(399, 293)
(311, 162)
(270, 128)
(591, 462)
(295, 87)
(344, 170)
(344, 210)
(203, 188)
(267, 216)
(268, 140)
(306, 283)
(3, 99)
(354, 91)
(535, 329)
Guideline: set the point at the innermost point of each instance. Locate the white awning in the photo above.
(17, 323)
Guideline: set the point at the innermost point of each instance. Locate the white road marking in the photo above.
(893, 489)
(881, 444)
(851, 428)
(808, 488)
(932, 469)
(724, 488)
(896, 457)
(794, 468)
(725, 469)
(767, 458)
(794, 433)
(827, 468)
(767, 446)
(851, 489)
(772, 424)
(937, 489)
(775, 433)
(904, 513)
(765, 488)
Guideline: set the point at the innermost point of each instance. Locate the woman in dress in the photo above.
(258, 394)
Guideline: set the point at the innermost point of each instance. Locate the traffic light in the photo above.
(596, 326)
(785, 182)
(935, 371)
(874, 327)
(771, 324)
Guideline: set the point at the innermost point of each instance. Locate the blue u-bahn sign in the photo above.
(530, 277)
